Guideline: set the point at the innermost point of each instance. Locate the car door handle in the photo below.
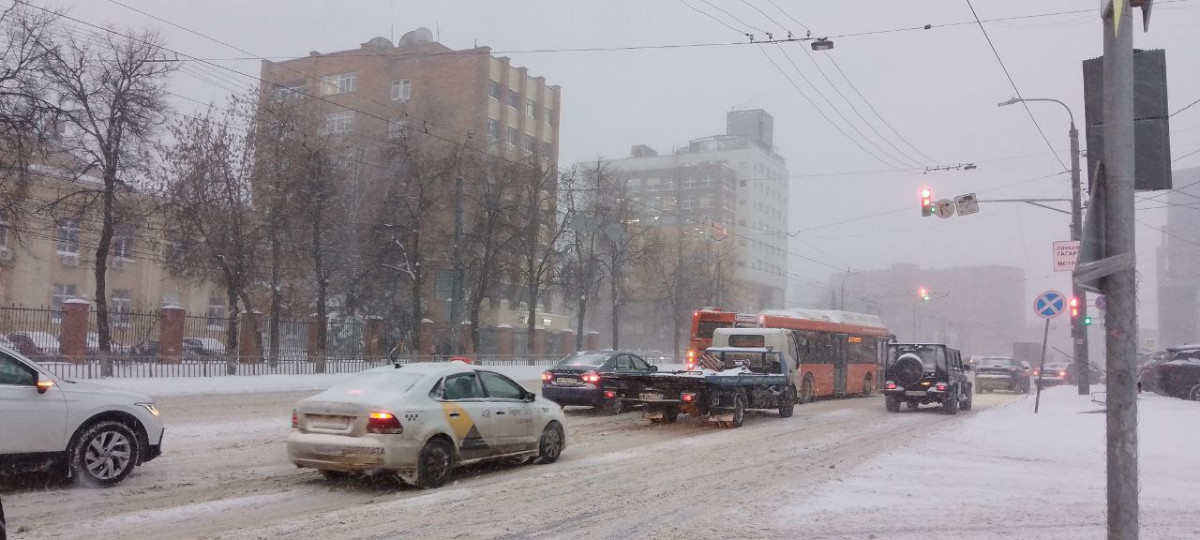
(454, 415)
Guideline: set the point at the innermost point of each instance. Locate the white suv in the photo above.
(94, 433)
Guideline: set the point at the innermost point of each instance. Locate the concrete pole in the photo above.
(1078, 330)
(457, 282)
(1120, 287)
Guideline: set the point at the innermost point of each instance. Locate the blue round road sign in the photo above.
(1049, 304)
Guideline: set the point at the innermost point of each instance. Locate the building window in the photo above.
(68, 236)
(514, 99)
(340, 122)
(493, 130)
(401, 90)
(176, 248)
(531, 108)
(171, 299)
(59, 294)
(119, 306)
(343, 83)
(689, 202)
(546, 116)
(289, 92)
(397, 128)
(216, 313)
(494, 90)
(547, 150)
(122, 246)
(512, 136)
(3, 228)
(531, 144)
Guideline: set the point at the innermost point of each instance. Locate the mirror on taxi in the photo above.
(44, 384)
(530, 396)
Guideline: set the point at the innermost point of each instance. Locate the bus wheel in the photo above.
(806, 389)
(868, 385)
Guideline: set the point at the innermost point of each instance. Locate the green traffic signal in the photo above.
(1087, 320)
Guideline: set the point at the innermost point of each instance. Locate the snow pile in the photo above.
(1009, 473)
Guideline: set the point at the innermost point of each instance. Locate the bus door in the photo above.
(840, 368)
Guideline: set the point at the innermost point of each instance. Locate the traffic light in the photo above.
(926, 202)
(1087, 320)
(1074, 307)
(923, 293)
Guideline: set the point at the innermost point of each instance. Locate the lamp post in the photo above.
(1078, 331)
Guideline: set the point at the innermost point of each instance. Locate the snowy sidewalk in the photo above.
(1006, 473)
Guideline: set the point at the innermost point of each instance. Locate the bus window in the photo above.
(704, 329)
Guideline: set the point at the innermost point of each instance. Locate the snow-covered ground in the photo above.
(1012, 474)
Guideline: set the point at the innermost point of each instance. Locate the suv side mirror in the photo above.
(44, 385)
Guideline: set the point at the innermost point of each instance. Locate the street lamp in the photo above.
(1078, 331)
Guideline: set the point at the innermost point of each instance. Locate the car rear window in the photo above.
(995, 362)
(584, 359)
(396, 382)
(754, 340)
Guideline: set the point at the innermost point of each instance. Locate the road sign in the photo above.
(1065, 255)
(1101, 303)
(944, 208)
(1049, 304)
(966, 204)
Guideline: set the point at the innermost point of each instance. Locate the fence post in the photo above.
(566, 342)
(428, 346)
(170, 334)
(504, 340)
(464, 337)
(593, 341)
(539, 344)
(73, 336)
(372, 336)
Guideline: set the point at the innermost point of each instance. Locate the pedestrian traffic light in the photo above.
(926, 202)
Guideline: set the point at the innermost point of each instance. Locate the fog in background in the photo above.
(937, 87)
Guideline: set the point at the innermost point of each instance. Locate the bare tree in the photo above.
(206, 184)
(489, 235)
(580, 271)
(27, 116)
(624, 243)
(539, 227)
(110, 92)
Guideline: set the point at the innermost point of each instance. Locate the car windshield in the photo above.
(931, 356)
(584, 359)
(704, 329)
(375, 383)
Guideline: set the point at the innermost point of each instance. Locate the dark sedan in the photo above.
(579, 378)
(1180, 376)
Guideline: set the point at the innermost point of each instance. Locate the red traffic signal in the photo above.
(926, 202)
(1074, 307)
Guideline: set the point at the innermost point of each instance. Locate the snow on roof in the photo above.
(827, 315)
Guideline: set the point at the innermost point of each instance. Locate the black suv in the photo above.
(1001, 372)
(921, 373)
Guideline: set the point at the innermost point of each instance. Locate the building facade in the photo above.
(734, 186)
(1179, 263)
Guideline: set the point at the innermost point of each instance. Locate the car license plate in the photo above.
(915, 393)
(566, 381)
(322, 421)
(651, 396)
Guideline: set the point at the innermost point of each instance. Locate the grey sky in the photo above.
(938, 87)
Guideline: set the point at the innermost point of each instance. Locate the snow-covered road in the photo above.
(225, 475)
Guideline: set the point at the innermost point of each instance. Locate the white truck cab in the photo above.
(778, 339)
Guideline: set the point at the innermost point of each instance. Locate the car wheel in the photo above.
(1194, 393)
(435, 463)
(893, 404)
(868, 385)
(806, 389)
(613, 406)
(968, 402)
(787, 405)
(334, 476)
(550, 446)
(739, 410)
(670, 415)
(104, 454)
(950, 404)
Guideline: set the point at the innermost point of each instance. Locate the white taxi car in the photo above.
(419, 421)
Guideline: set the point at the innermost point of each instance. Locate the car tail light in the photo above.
(384, 422)
(295, 419)
(547, 376)
(1062, 374)
(691, 359)
(687, 397)
(941, 387)
(591, 377)
(609, 394)
(889, 385)
(1035, 372)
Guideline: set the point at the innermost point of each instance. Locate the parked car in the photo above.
(1097, 375)
(1180, 376)
(93, 345)
(578, 379)
(1000, 373)
(204, 346)
(150, 350)
(96, 434)
(36, 345)
(1148, 371)
(4, 342)
(419, 421)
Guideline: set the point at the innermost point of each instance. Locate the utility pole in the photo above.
(1120, 286)
(456, 287)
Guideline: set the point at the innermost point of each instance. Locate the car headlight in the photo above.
(149, 407)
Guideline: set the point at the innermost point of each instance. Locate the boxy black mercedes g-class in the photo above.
(921, 373)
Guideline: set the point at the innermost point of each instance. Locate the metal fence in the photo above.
(40, 327)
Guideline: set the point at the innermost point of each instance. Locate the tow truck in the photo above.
(723, 385)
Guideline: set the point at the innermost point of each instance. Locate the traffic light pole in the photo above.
(1078, 329)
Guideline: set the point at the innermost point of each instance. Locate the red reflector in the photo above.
(941, 387)
(687, 398)
(891, 385)
(295, 420)
(384, 422)
(610, 394)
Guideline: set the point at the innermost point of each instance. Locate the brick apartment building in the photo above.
(419, 87)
